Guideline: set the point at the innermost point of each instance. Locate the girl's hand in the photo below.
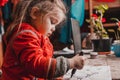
(77, 62)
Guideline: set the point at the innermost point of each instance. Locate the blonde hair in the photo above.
(23, 9)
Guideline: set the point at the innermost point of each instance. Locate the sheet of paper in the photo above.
(66, 49)
(90, 73)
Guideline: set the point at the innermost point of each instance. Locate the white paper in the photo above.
(66, 49)
(90, 73)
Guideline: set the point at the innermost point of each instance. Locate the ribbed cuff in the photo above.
(62, 66)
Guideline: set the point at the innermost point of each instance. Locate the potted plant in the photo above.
(116, 44)
(101, 42)
(117, 36)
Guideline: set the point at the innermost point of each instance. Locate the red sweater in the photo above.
(28, 56)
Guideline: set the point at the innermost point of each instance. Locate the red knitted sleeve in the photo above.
(30, 53)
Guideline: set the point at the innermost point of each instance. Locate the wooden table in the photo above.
(104, 60)
(107, 60)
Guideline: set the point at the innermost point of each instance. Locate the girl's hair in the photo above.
(23, 9)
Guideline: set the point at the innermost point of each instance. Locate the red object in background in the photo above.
(103, 20)
(106, 0)
(3, 2)
(103, 0)
(94, 15)
(86, 0)
(118, 24)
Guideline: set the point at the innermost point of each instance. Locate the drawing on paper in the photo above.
(90, 73)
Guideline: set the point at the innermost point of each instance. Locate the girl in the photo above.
(28, 54)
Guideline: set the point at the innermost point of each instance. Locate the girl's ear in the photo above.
(34, 12)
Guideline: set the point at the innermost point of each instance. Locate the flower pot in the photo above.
(102, 45)
(116, 49)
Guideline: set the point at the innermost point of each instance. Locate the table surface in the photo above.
(107, 60)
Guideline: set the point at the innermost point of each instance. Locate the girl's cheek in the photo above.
(42, 29)
(46, 29)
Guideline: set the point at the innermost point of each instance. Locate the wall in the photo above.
(110, 4)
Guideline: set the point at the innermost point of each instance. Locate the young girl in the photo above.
(28, 54)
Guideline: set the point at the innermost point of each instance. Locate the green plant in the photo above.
(97, 21)
(117, 36)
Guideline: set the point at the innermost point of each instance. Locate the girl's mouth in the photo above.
(49, 34)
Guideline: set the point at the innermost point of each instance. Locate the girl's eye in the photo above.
(53, 21)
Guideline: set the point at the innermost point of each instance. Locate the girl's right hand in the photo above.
(77, 62)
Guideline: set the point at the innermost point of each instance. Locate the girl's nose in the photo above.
(53, 29)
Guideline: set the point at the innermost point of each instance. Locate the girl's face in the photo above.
(46, 25)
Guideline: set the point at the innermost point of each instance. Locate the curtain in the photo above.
(77, 12)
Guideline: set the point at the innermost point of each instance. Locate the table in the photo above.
(107, 60)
